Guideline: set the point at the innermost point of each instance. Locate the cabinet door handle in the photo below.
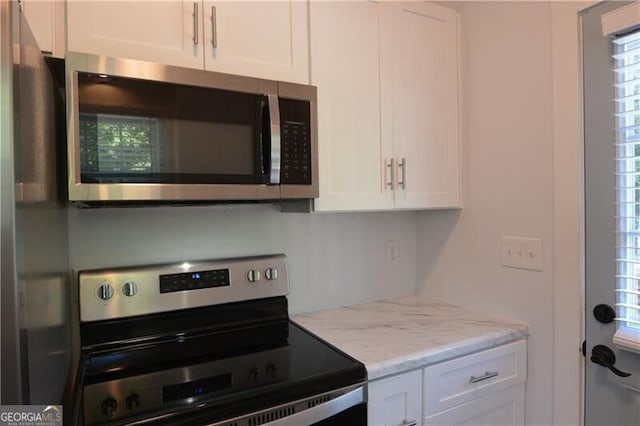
(390, 173)
(485, 376)
(406, 422)
(214, 27)
(403, 165)
(195, 23)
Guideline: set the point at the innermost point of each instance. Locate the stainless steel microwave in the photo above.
(140, 132)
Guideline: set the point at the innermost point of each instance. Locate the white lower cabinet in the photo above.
(396, 401)
(484, 388)
(499, 408)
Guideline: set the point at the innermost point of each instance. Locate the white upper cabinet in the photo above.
(345, 68)
(167, 32)
(267, 39)
(46, 21)
(262, 39)
(387, 77)
(419, 71)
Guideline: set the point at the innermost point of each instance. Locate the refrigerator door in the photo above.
(33, 244)
(11, 388)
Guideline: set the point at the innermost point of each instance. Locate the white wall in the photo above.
(519, 181)
(334, 259)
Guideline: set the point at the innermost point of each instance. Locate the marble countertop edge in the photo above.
(397, 335)
(417, 360)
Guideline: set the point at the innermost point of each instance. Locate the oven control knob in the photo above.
(133, 401)
(255, 373)
(253, 275)
(271, 369)
(109, 407)
(271, 274)
(130, 289)
(105, 291)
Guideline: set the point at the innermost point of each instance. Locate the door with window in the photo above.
(611, 87)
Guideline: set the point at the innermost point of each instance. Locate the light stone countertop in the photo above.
(397, 335)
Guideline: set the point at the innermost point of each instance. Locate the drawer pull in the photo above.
(485, 376)
(406, 422)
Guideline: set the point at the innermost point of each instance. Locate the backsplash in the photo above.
(334, 259)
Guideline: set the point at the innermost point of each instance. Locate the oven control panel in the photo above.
(152, 392)
(125, 292)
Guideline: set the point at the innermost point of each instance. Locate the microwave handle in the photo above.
(275, 154)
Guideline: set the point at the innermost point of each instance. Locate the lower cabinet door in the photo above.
(396, 401)
(496, 409)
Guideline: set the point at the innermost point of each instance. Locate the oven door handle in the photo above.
(322, 411)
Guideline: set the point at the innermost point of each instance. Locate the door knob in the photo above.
(605, 357)
(604, 313)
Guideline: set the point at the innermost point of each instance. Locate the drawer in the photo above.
(499, 408)
(452, 383)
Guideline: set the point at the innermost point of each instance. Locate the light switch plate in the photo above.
(522, 253)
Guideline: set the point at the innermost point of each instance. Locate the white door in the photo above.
(167, 32)
(266, 39)
(345, 68)
(396, 401)
(419, 91)
(610, 399)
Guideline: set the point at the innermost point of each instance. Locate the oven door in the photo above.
(349, 408)
(342, 407)
(346, 406)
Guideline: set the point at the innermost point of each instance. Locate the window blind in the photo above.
(627, 180)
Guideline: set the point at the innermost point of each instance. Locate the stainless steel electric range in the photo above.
(207, 342)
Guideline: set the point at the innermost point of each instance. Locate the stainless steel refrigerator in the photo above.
(34, 300)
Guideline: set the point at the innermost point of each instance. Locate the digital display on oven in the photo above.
(194, 280)
(196, 388)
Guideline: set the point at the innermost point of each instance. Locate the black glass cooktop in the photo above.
(209, 374)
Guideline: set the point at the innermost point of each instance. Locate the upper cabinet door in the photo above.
(39, 15)
(46, 21)
(167, 32)
(419, 73)
(266, 39)
(345, 68)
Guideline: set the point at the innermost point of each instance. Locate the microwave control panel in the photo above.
(295, 140)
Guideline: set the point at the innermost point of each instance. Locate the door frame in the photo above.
(569, 213)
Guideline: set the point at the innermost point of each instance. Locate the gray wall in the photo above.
(334, 259)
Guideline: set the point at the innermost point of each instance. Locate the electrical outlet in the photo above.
(392, 248)
(522, 253)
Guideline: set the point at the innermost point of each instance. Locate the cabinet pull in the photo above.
(406, 422)
(214, 27)
(195, 23)
(403, 165)
(485, 376)
(390, 169)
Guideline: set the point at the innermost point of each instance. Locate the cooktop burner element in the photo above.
(206, 342)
